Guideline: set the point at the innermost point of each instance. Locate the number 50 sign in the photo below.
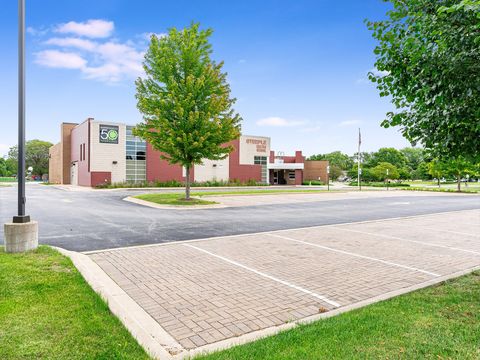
(108, 134)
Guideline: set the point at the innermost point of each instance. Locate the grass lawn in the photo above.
(48, 311)
(173, 199)
(440, 322)
(7, 179)
(176, 198)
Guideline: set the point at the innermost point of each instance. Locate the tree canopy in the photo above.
(428, 62)
(36, 156)
(185, 100)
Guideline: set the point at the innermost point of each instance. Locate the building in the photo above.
(98, 152)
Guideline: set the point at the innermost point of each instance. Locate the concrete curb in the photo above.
(172, 207)
(149, 334)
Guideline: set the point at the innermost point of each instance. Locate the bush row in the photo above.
(380, 184)
(175, 183)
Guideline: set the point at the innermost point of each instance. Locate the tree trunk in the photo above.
(458, 183)
(187, 183)
(438, 181)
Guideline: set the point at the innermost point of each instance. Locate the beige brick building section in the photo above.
(60, 156)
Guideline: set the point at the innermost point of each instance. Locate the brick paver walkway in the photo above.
(206, 291)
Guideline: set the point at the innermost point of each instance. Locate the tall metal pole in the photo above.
(21, 217)
(359, 161)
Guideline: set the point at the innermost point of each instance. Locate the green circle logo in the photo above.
(112, 135)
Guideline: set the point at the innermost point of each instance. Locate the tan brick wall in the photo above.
(315, 169)
(103, 155)
(66, 140)
(55, 164)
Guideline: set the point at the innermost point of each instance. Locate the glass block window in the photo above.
(262, 160)
(136, 157)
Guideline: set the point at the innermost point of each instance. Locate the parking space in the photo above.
(202, 292)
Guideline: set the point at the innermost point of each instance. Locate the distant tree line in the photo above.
(36, 157)
(406, 164)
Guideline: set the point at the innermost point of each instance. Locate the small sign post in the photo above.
(328, 177)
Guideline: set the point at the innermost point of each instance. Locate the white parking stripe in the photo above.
(355, 255)
(286, 283)
(436, 229)
(408, 240)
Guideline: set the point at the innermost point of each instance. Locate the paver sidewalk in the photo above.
(211, 291)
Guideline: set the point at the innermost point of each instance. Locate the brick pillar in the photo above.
(298, 177)
(299, 157)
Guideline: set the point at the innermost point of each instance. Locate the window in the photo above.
(136, 157)
(291, 175)
(262, 160)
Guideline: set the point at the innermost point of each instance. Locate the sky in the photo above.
(297, 68)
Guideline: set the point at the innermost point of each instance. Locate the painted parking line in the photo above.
(286, 283)
(407, 240)
(355, 255)
(436, 229)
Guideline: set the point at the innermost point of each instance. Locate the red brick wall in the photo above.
(242, 172)
(298, 177)
(160, 170)
(100, 177)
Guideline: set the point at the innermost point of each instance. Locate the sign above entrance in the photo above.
(108, 134)
(261, 144)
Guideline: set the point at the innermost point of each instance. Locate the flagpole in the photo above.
(359, 169)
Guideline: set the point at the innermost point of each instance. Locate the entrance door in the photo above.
(74, 173)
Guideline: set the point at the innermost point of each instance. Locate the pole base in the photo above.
(21, 219)
(21, 237)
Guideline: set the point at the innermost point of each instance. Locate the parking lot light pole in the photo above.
(21, 217)
(387, 179)
(328, 177)
(22, 233)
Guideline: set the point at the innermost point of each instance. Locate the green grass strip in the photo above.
(440, 322)
(48, 311)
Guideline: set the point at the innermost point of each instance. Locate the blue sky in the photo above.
(297, 68)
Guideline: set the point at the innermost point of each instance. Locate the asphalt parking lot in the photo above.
(95, 219)
(207, 292)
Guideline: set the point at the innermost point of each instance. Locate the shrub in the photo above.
(313, 182)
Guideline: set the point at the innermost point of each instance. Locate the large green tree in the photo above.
(335, 158)
(428, 62)
(387, 155)
(36, 156)
(185, 100)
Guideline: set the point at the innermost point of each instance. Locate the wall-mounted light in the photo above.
(114, 162)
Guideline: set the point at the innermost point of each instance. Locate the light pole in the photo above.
(21, 217)
(328, 177)
(21, 234)
(387, 179)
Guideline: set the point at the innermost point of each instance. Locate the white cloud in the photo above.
(103, 60)
(73, 42)
(381, 73)
(278, 122)
(94, 28)
(59, 59)
(242, 61)
(349, 123)
(36, 32)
